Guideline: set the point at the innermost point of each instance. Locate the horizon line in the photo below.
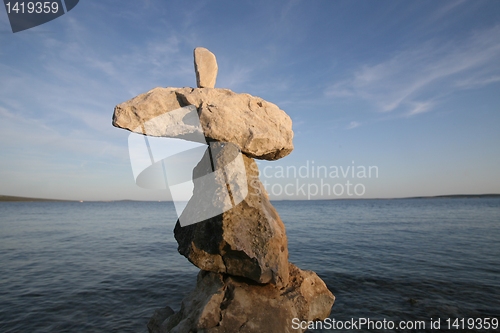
(10, 198)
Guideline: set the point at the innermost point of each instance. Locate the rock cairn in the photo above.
(245, 283)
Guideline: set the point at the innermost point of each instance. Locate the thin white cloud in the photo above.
(477, 81)
(235, 78)
(353, 124)
(446, 9)
(412, 80)
(420, 107)
(66, 105)
(31, 134)
(286, 10)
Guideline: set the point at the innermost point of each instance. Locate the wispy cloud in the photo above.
(413, 80)
(24, 133)
(64, 107)
(235, 77)
(353, 124)
(419, 107)
(476, 81)
(446, 9)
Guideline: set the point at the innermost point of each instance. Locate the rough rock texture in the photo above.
(222, 303)
(205, 66)
(247, 240)
(259, 128)
(158, 318)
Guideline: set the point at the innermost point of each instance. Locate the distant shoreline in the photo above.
(451, 196)
(24, 199)
(10, 198)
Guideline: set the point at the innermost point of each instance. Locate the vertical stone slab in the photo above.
(205, 66)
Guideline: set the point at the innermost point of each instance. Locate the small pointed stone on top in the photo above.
(205, 66)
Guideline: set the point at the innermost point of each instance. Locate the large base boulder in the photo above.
(221, 303)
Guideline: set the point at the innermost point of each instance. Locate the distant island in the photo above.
(13, 198)
(451, 196)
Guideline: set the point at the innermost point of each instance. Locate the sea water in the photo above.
(105, 267)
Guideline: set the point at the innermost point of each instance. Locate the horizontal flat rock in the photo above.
(222, 303)
(259, 128)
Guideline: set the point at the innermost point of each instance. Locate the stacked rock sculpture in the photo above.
(245, 283)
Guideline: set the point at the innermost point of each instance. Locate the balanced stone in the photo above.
(205, 66)
(228, 228)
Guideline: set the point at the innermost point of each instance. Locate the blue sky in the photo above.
(408, 87)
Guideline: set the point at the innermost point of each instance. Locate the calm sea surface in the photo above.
(105, 267)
